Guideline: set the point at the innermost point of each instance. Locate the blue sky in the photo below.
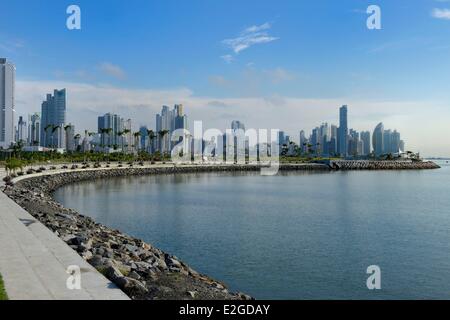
(132, 56)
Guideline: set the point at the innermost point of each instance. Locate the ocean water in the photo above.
(290, 236)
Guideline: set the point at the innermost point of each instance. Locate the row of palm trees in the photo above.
(149, 133)
(53, 128)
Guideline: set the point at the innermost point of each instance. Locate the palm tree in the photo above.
(49, 126)
(136, 140)
(162, 134)
(151, 137)
(125, 132)
(54, 129)
(120, 134)
(318, 149)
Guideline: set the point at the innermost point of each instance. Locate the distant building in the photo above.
(109, 126)
(34, 129)
(69, 131)
(22, 131)
(343, 132)
(7, 103)
(378, 139)
(53, 118)
(365, 138)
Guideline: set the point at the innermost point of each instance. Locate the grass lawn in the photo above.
(3, 295)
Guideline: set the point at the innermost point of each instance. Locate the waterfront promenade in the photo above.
(34, 261)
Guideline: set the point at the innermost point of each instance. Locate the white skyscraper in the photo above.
(7, 104)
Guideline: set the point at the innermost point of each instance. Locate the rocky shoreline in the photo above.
(142, 271)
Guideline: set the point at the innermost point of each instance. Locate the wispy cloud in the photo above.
(279, 75)
(441, 13)
(249, 37)
(257, 34)
(112, 70)
(12, 45)
(228, 58)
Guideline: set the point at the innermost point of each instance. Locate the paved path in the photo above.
(33, 261)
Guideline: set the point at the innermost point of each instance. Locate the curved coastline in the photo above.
(139, 269)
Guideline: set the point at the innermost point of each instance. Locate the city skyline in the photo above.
(290, 81)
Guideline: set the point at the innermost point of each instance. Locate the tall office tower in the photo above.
(402, 146)
(127, 137)
(324, 138)
(180, 122)
(332, 145)
(387, 141)
(303, 141)
(53, 118)
(34, 129)
(395, 142)
(143, 140)
(365, 138)
(109, 126)
(69, 131)
(22, 131)
(343, 131)
(314, 140)
(7, 103)
(164, 127)
(353, 141)
(378, 139)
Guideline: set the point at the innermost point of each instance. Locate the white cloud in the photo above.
(112, 70)
(249, 37)
(441, 13)
(279, 75)
(228, 58)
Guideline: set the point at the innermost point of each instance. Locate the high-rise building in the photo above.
(53, 118)
(343, 132)
(34, 129)
(365, 138)
(378, 139)
(22, 131)
(303, 141)
(387, 141)
(180, 119)
(7, 103)
(69, 131)
(395, 142)
(164, 128)
(109, 126)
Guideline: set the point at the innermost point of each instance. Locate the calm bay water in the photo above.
(290, 236)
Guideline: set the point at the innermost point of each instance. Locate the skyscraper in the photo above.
(164, 127)
(69, 132)
(109, 126)
(365, 138)
(378, 139)
(343, 132)
(22, 132)
(7, 102)
(34, 129)
(53, 115)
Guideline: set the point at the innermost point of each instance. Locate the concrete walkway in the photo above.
(33, 261)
